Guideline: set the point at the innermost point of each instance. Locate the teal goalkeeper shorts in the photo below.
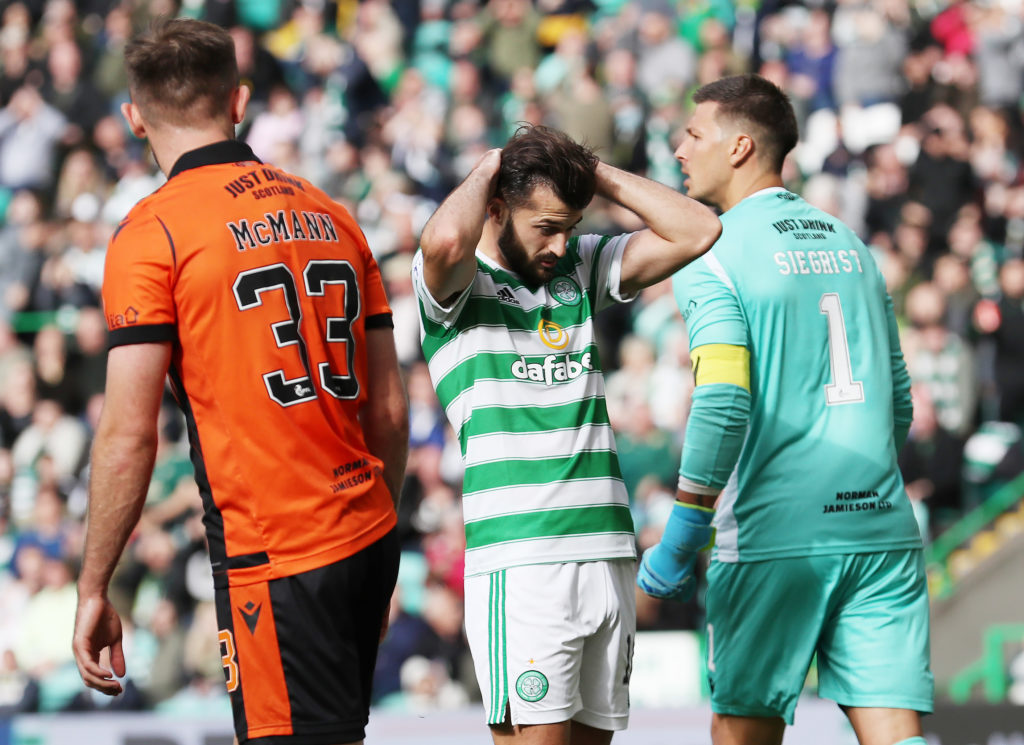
(864, 615)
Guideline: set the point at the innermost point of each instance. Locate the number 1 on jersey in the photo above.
(843, 389)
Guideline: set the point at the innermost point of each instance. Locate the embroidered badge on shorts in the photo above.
(532, 686)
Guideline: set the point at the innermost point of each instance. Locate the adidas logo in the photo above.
(506, 295)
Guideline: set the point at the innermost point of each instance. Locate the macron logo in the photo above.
(251, 615)
(505, 295)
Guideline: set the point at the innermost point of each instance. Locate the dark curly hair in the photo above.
(537, 155)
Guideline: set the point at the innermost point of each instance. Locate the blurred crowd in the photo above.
(911, 120)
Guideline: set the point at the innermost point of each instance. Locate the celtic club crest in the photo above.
(565, 290)
(532, 686)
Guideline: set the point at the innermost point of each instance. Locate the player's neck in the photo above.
(743, 185)
(488, 244)
(171, 143)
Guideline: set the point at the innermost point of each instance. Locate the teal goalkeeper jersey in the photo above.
(817, 471)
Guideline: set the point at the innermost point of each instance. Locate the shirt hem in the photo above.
(278, 568)
(733, 556)
(532, 561)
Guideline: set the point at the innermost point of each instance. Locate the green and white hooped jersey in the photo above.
(518, 373)
(817, 473)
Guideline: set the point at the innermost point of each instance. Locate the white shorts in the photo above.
(554, 642)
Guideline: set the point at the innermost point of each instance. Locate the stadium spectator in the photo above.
(162, 674)
(666, 63)
(1002, 321)
(940, 359)
(941, 178)
(52, 372)
(12, 354)
(19, 691)
(631, 382)
(930, 462)
(18, 402)
(46, 621)
(71, 92)
(48, 529)
(645, 450)
(54, 434)
(871, 42)
(88, 356)
(952, 276)
(408, 635)
(30, 130)
(426, 687)
(505, 32)
(277, 127)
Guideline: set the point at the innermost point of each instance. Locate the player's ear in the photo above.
(497, 209)
(133, 116)
(239, 102)
(742, 148)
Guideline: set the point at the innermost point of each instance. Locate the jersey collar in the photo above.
(766, 190)
(225, 151)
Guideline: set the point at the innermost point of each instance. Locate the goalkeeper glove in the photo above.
(666, 570)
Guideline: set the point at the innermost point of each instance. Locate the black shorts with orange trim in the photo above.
(299, 651)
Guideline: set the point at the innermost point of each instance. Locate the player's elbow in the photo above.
(442, 244)
(706, 232)
(123, 448)
(449, 262)
(131, 434)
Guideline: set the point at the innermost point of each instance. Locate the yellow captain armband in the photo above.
(721, 363)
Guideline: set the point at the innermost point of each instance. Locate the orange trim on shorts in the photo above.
(263, 689)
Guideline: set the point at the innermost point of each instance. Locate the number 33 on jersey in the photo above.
(267, 296)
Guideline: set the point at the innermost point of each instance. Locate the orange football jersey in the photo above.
(266, 288)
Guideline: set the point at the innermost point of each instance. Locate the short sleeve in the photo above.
(138, 282)
(433, 310)
(709, 305)
(600, 261)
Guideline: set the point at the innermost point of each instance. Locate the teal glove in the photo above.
(666, 570)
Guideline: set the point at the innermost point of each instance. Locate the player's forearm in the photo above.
(119, 479)
(390, 443)
(395, 457)
(451, 235)
(715, 432)
(687, 227)
(385, 417)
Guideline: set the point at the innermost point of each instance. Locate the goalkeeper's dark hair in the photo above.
(759, 105)
(537, 155)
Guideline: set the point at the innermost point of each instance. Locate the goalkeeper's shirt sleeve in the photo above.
(720, 355)
(717, 425)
